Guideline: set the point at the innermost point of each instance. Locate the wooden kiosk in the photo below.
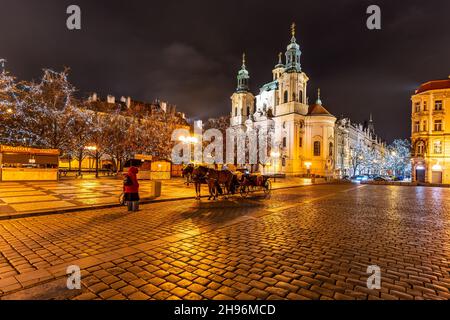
(28, 164)
(149, 168)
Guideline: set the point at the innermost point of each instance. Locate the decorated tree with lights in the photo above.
(8, 87)
(159, 139)
(113, 136)
(80, 128)
(398, 158)
(358, 158)
(10, 102)
(46, 114)
(41, 112)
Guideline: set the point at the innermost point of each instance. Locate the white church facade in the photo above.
(306, 132)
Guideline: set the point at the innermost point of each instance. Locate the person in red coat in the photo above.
(131, 189)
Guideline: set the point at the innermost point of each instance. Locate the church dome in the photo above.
(318, 110)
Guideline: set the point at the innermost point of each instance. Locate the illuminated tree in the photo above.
(81, 128)
(358, 158)
(41, 112)
(398, 158)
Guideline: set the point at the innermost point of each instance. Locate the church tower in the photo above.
(279, 68)
(242, 101)
(293, 54)
(292, 82)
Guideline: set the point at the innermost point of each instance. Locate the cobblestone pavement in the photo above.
(312, 242)
(28, 197)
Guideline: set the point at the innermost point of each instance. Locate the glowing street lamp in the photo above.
(437, 167)
(274, 154)
(308, 168)
(91, 148)
(193, 140)
(188, 140)
(184, 139)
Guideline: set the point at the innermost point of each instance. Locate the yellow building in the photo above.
(431, 132)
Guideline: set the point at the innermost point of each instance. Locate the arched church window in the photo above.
(286, 96)
(330, 151)
(301, 96)
(317, 150)
(248, 110)
(284, 142)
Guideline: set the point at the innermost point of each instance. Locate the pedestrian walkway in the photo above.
(20, 198)
(313, 242)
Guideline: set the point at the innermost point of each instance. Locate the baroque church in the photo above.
(306, 134)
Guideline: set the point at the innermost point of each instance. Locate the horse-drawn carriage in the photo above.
(225, 182)
(254, 182)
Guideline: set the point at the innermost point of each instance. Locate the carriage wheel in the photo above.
(267, 187)
(244, 190)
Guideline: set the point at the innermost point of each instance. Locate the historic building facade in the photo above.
(311, 140)
(305, 132)
(354, 141)
(430, 137)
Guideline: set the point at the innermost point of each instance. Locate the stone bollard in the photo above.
(156, 187)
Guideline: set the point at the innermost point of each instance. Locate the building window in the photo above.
(417, 107)
(248, 111)
(283, 162)
(425, 106)
(300, 142)
(437, 147)
(317, 148)
(420, 148)
(424, 127)
(416, 126)
(438, 105)
(330, 151)
(437, 125)
(284, 142)
(301, 96)
(235, 112)
(294, 97)
(286, 96)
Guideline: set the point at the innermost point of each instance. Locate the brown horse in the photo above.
(199, 177)
(187, 173)
(216, 178)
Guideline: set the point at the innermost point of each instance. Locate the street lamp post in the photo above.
(308, 168)
(189, 140)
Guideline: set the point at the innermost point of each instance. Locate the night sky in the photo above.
(188, 52)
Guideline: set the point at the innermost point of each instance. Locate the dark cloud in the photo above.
(188, 52)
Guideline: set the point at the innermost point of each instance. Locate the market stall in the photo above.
(149, 168)
(28, 164)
